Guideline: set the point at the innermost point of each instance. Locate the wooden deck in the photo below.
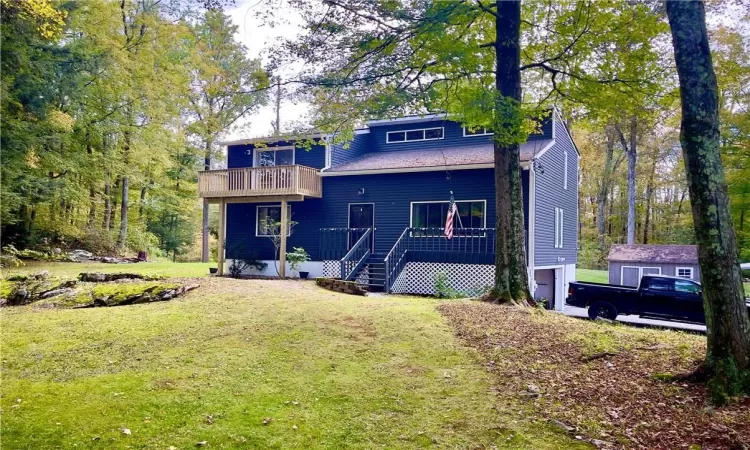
(260, 182)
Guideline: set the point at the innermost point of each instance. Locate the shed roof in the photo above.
(671, 254)
(451, 156)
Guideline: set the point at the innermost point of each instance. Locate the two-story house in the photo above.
(374, 210)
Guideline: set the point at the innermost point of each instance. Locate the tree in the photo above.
(273, 230)
(727, 321)
(369, 59)
(225, 85)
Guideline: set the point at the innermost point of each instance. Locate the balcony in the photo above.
(266, 181)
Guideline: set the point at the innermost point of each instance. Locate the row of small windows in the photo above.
(429, 134)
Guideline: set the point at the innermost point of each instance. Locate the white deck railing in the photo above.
(260, 181)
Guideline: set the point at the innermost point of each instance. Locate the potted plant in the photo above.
(295, 260)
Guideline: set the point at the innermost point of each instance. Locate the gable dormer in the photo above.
(432, 131)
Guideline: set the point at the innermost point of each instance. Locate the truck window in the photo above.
(685, 286)
(660, 284)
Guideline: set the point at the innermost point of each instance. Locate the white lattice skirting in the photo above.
(419, 277)
(332, 269)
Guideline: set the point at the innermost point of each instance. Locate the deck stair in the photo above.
(372, 273)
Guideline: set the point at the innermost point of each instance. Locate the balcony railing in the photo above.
(260, 181)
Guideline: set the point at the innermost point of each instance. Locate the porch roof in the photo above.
(449, 156)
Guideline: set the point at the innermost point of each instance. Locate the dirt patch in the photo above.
(615, 399)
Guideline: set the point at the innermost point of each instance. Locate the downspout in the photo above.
(530, 250)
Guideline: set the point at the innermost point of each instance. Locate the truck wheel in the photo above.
(602, 309)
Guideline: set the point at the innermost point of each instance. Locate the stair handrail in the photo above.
(358, 254)
(394, 260)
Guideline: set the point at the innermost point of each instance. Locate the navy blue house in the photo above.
(374, 209)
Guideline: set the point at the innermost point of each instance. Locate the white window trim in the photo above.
(273, 149)
(411, 212)
(677, 272)
(565, 169)
(640, 272)
(257, 218)
(486, 133)
(559, 228)
(388, 135)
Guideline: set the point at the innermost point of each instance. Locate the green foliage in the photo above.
(297, 258)
(443, 288)
(111, 93)
(239, 265)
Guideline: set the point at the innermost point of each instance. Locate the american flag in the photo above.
(449, 218)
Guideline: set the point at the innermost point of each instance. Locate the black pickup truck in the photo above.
(658, 297)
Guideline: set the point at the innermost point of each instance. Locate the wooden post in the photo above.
(222, 234)
(283, 231)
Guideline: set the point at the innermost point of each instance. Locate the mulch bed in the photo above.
(614, 399)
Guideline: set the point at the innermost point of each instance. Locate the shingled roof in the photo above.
(453, 156)
(654, 253)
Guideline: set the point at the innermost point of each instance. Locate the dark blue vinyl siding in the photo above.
(550, 195)
(356, 148)
(242, 155)
(453, 136)
(392, 195)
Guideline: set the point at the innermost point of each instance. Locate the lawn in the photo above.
(166, 268)
(602, 276)
(252, 364)
(592, 276)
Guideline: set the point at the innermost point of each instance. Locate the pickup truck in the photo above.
(657, 296)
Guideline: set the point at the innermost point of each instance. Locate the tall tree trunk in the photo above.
(631, 150)
(124, 201)
(106, 221)
(601, 201)
(727, 320)
(511, 276)
(92, 185)
(649, 195)
(204, 227)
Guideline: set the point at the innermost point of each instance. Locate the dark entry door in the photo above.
(361, 215)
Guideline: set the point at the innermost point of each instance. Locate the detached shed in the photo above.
(628, 263)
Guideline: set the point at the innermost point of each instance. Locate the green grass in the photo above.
(366, 372)
(602, 276)
(592, 276)
(71, 270)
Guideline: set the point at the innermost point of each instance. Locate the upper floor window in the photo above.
(565, 170)
(477, 132)
(274, 156)
(558, 228)
(424, 134)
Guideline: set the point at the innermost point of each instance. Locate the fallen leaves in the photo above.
(595, 380)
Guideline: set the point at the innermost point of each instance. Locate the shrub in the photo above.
(239, 265)
(296, 258)
(443, 288)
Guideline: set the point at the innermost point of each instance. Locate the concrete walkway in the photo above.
(637, 321)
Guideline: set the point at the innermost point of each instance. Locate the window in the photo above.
(685, 272)
(565, 170)
(267, 214)
(281, 156)
(470, 214)
(425, 134)
(661, 284)
(477, 132)
(558, 228)
(686, 286)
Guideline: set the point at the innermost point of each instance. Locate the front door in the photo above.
(361, 215)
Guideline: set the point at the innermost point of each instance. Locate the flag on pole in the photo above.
(449, 218)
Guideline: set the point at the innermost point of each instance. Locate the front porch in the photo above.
(265, 184)
(413, 262)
